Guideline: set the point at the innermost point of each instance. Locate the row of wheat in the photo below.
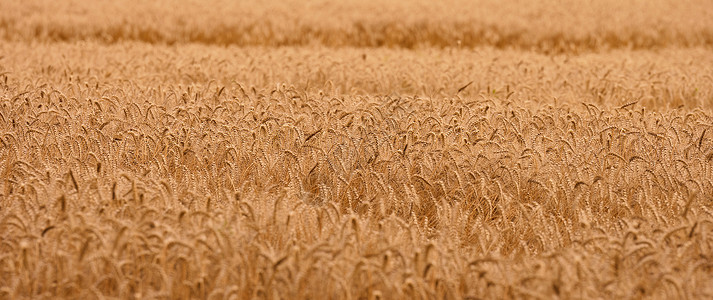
(663, 80)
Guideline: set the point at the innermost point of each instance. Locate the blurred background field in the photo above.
(547, 26)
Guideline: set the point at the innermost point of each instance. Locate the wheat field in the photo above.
(311, 149)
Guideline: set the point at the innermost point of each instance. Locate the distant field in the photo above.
(544, 26)
(356, 150)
